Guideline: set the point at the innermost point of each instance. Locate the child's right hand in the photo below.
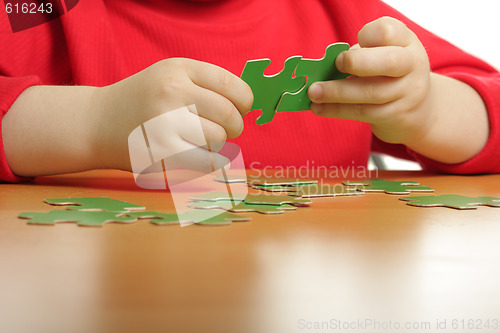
(221, 99)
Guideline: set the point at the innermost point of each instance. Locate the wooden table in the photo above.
(342, 263)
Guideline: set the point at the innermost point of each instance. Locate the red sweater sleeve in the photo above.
(488, 160)
(10, 89)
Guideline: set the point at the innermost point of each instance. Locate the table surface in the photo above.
(369, 263)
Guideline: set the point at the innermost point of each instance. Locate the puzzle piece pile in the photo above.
(287, 90)
(276, 196)
(310, 189)
(96, 211)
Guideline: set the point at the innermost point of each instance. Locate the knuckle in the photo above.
(419, 89)
(247, 99)
(219, 135)
(215, 137)
(333, 92)
(392, 62)
(226, 113)
(171, 85)
(387, 28)
(370, 92)
(170, 75)
(169, 78)
(228, 118)
(358, 112)
(386, 32)
(350, 61)
(225, 81)
(170, 65)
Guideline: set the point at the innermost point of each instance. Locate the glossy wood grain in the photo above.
(355, 260)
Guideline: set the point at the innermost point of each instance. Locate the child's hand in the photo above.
(390, 87)
(221, 99)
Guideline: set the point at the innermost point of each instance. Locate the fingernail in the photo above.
(315, 91)
(339, 62)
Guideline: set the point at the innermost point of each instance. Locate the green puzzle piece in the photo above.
(192, 216)
(310, 190)
(316, 190)
(83, 218)
(263, 181)
(267, 90)
(94, 204)
(277, 188)
(287, 90)
(323, 69)
(452, 201)
(220, 219)
(156, 217)
(389, 186)
(253, 199)
(240, 207)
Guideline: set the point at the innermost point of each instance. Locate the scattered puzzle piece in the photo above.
(277, 188)
(94, 204)
(83, 218)
(280, 181)
(310, 190)
(191, 217)
(259, 199)
(285, 92)
(241, 207)
(215, 196)
(452, 201)
(263, 181)
(316, 190)
(156, 217)
(253, 199)
(231, 179)
(323, 69)
(267, 90)
(388, 186)
(220, 219)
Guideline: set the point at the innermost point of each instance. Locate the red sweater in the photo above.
(99, 42)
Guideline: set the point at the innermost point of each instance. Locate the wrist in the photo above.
(457, 124)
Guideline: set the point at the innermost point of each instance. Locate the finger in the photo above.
(190, 127)
(192, 157)
(223, 82)
(215, 135)
(218, 109)
(385, 31)
(357, 90)
(369, 113)
(163, 137)
(393, 61)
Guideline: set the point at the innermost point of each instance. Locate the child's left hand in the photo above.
(390, 87)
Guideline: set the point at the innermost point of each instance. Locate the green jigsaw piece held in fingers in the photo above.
(267, 90)
(287, 90)
(323, 69)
